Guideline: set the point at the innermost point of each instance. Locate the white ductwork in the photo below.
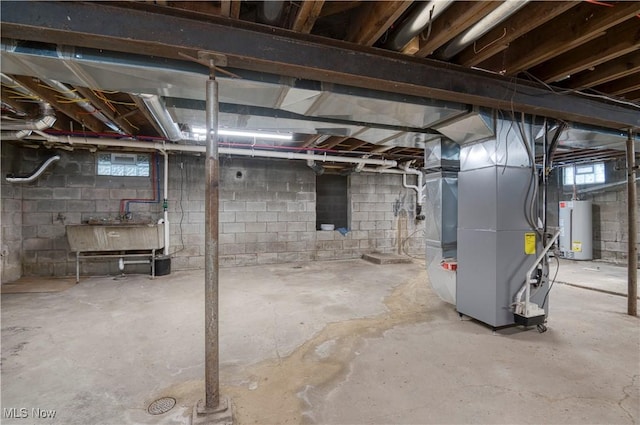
(502, 12)
(417, 21)
(270, 11)
(44, 121)
(36, 173)
(159, 112)
(15, 135)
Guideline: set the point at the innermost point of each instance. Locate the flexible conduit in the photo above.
(35, 174)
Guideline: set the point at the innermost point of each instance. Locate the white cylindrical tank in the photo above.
(576, 229)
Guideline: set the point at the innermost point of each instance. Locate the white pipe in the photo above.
(124, 143)
(166, 201)
(420, 187)
(35, 175)
(526, 288)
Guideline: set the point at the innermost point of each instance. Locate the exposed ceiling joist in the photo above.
(371, 22)
(527, 19)
(105, 109)
(334, 141)
(307, 15)
(282, 52)
(69, 109)
(455, 19)
(568, 31)
(230, 8)
(618, 41)
(633, 95)
(613, 70)
(622, 85)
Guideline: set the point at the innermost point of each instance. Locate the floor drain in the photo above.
(162, 405)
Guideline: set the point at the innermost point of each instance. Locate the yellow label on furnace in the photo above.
(576, 246)
(530, 243)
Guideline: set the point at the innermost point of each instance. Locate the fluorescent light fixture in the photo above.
(237, 133)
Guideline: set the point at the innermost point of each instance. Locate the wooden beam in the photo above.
(618, 41)
(307, 15)
(252, 47)
(621, 86)
(458, 17)
(373, 19)
(69, 109)
(497, 39)
(608, 71)
(310, 141)
(230, 8)
(585, 22)
(104, 108)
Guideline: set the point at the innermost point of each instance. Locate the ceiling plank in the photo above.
(307, 16)
(105, 109)
(633, 96)
(356, 144)
(230, 8)
(497, 39)
(334, 141)
(335, 7)
(69, 109)
(454, 20)
(282, 52)
(618, 41)
(621, 86)
(609, 71)
(373, 19)
(585, 22)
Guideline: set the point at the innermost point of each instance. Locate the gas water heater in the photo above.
(575, 221)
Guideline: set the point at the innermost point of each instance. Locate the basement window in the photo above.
(123, 164)
(332, 200)
(581, 174)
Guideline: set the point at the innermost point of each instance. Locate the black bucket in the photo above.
(163, 265)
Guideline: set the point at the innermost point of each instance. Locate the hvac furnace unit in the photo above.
(576, 230)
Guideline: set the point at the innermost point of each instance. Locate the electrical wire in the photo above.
(552, 281)
(578, 92)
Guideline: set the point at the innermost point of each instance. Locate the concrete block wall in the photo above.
(69, 192)
(267, 214)
(610, 228)
(11, 219)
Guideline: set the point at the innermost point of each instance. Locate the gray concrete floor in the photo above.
(343, 342)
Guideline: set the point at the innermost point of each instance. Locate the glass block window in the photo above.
(583, 174)
(124, 164)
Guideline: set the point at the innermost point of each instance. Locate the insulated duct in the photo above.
(417, 21)
(502, 12)
(44, 121)
(442, 162)
(15, 135)
(270, 12)
(26, 179)
(159, 112)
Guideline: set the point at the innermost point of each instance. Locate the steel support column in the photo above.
(212, 180)
(632, 217)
